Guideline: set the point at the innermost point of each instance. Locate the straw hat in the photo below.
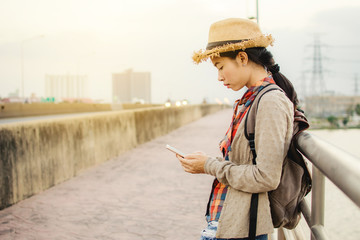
(230, 35)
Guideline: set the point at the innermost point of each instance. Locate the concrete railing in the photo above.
(13, 110)
(37, 155)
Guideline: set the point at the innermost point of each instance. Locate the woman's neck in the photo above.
(258, 74)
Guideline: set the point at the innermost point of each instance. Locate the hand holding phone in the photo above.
(176, 151)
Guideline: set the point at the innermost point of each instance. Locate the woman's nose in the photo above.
(220, 77)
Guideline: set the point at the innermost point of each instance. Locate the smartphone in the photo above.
(174, 150)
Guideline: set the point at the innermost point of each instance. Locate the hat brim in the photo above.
(261, 41)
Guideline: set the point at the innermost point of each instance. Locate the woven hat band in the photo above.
(212, 45)
(232, 34)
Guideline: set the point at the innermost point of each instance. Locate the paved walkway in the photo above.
(142, 194)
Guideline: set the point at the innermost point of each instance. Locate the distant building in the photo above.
(15, 94)
(130, 87)
(63, 87)
(325, 106)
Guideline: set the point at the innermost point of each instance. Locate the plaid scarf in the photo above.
(245, 101)
(219, 190)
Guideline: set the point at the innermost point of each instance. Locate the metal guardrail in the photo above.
(342, 168)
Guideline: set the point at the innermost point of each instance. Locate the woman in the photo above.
(237, 48)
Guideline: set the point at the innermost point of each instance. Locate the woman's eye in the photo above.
(221, 68)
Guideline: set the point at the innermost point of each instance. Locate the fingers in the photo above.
(193, 165)
(186, 164)
(197, 157)
(179, 157)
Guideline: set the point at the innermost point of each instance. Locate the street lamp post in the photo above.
(257, 11)
(22, 62)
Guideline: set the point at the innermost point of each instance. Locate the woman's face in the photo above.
(231, 72)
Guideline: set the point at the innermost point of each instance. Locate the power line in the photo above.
(344, 46)
(317, 77)
(344, 61)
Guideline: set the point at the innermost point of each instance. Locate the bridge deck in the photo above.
(142, 194)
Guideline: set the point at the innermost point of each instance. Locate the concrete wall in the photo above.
(12, 110)
(126, 106)
(37, 155)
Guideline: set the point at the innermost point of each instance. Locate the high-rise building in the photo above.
(66, 86)
(130, 87)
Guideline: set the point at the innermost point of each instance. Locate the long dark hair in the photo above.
(263, 57)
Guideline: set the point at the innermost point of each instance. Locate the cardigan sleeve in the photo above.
(273, 132)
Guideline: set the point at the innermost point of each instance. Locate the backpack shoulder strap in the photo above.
(250, 135)
(251, 116)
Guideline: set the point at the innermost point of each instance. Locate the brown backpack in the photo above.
(295, 182)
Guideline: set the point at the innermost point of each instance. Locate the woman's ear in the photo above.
(242, 58)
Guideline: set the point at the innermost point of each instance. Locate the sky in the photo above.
(100, 37)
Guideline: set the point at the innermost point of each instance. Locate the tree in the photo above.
(357, 109)
(333, 121)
